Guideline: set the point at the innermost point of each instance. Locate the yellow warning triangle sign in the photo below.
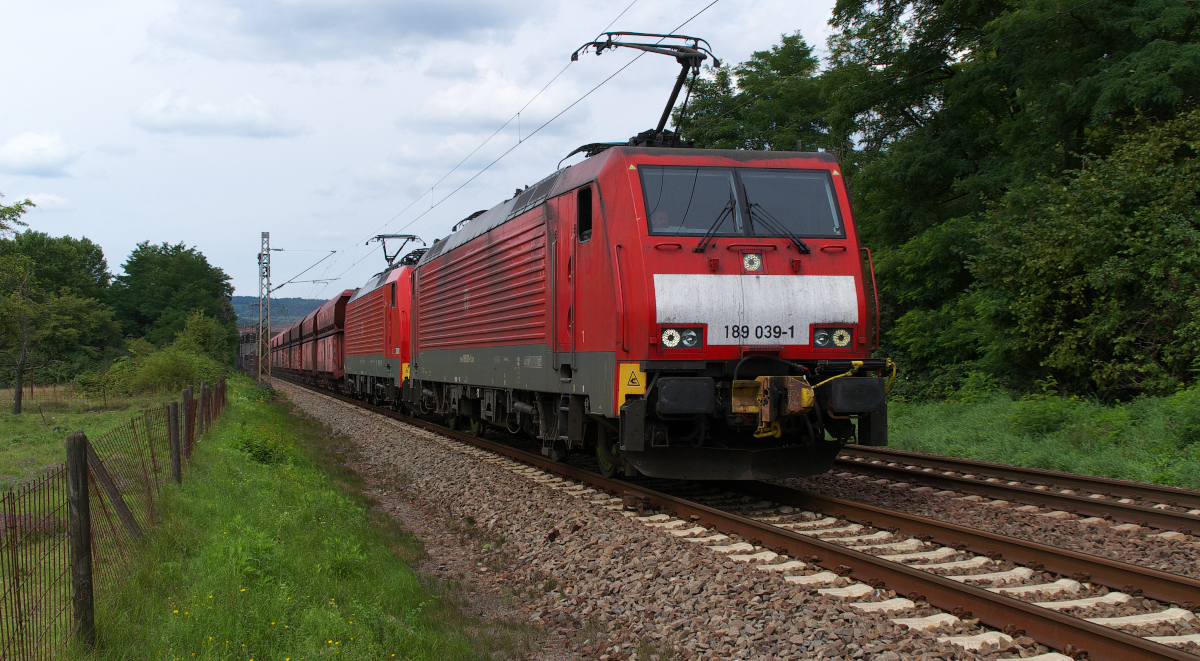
(633, 381)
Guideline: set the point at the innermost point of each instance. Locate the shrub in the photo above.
(146, 371)
(263, 445)
(1042, 413)
(1183, 409)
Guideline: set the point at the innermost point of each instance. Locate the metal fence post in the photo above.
(173, 432)
(80, 526)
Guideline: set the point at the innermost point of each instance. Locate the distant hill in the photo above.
(284, 311)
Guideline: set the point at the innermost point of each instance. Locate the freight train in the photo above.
(678, 312)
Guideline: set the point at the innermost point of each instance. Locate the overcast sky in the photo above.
(324, 122)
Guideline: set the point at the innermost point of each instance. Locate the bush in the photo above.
(1183, 410)
(146, 371)
(1044, 412)
(263, 445)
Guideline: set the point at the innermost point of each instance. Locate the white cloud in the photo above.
(318, 30)
(172, 112)
(37, 154)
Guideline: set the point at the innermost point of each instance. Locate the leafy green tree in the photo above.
(207, 335)
(771, 101)
(162, 285)
(10, 215)
(78, 265)
(1097, 279)
(950, 106)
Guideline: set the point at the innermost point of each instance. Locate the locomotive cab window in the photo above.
(687, 201)
(802, 201)
(393, 294)
(583, 214)
(684, 201)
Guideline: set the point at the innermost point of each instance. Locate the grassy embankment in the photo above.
(1151, 439)
(267, 551)
(33, 441)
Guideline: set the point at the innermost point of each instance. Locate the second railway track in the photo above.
(826, 543)
(1167, 508)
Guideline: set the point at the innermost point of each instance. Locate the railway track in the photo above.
(1167, 508)
(888, 562)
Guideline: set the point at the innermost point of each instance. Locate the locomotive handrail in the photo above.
(833, 248)
(668, 246)
(875, 292)
(621, 321)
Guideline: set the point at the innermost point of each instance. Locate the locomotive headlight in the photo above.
(671, 338)
(691, 338)
(841, 337)
(822, 337)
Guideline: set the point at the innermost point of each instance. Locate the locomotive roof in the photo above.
(378, 280)
(563, 180)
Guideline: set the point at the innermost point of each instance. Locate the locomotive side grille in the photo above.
(364, 324)
(487, 294)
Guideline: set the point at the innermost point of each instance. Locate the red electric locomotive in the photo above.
(689, 313)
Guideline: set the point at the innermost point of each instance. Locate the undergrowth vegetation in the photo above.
(1151, 439)
(267, 551)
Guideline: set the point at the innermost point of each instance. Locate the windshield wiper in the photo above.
(704, 240)
(774, 224)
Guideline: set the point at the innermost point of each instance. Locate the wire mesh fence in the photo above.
(62, 396)
(127, 468)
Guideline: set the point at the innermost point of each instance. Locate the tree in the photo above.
(207, 335)
(776, 102)
(1096, 278)
(77, 265)
(10, 215)
(162, 285)
(950, 106)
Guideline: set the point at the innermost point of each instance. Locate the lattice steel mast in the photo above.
(264, 311)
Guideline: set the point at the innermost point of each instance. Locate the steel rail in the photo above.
(1155, 584)
(995, 610)
(1104, 485)
(1074, 503)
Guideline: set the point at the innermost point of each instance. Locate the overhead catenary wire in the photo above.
(434, 205)
(481, 145)
(293, 278)
(549, 121)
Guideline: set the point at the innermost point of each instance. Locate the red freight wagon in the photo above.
(308, 345)
(688, 313)
(330, 342)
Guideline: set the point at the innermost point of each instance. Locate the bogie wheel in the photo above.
(606, 469)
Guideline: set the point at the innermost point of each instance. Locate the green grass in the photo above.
(33, 441)
(267, 551)
(1151, 439)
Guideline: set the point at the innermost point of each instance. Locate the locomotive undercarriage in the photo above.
(767, 423)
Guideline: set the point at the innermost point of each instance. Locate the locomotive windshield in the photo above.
(682, 201)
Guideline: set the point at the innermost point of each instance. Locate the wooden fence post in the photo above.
(203, 409)
(173, 432)
(80, 527)
(187, 422)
